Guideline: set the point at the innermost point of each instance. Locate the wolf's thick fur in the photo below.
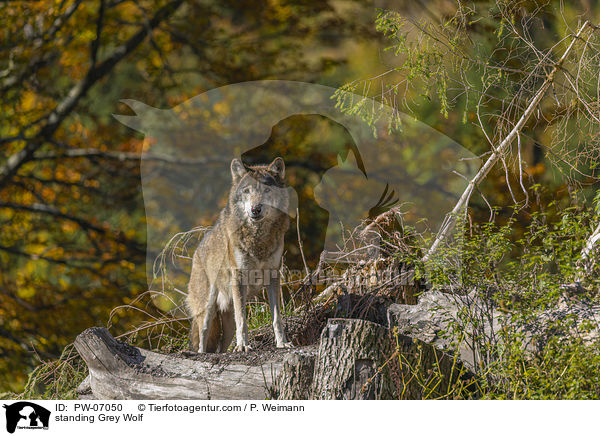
(238, 257)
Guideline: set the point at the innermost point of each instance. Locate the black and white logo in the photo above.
(26, 415)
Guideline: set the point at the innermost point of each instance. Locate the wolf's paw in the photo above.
(242, 348)
(285, 345)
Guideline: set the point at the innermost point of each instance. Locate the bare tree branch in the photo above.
(95, 46)
(66, 106)
(124, 155)
(39, 61)
(83, 223)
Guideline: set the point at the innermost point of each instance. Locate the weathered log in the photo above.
(121, 371)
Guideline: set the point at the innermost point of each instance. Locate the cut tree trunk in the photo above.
(350, 353)
(120, 371)
(359, 359)
(295, 379)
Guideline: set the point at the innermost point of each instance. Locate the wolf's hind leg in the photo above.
(194, 336)
(197, 333)
(209, 321)
(228, 322)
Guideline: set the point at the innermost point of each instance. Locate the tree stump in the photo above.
(359, 359)
(350, 359)
(295, 379)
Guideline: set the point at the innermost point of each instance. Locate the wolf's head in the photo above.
(258, 192)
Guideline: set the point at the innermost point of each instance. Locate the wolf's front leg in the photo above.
(274, 291)
(239, 293)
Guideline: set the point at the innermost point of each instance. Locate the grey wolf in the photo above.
(239, 257)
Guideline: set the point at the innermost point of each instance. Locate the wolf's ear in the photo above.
(277, 167)
(237, 169)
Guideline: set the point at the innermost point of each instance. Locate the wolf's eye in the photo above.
(267, 190)
(246, 190)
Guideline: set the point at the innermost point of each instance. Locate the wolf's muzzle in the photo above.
(256, 211)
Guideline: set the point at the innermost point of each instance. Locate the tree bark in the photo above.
(295, 380)
(350, 353)
(358, 359)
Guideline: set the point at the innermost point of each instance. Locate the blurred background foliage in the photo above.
(72, 238)
(72, 222)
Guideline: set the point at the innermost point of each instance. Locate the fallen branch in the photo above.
(497, 153)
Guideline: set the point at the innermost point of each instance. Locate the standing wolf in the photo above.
(238, 257)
